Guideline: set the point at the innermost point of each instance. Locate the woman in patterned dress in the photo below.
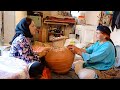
(21, 46)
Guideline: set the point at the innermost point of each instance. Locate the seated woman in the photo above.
(21, 47)
(99, 56)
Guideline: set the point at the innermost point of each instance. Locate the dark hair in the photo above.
(23, 28)
(107, 36)
(104, 29)
(28, 22)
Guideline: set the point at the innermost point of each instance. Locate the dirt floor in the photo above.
(70, 75)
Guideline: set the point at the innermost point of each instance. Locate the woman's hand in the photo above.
(71, 48)
(46, 49)
(74, 49)
(38, 50)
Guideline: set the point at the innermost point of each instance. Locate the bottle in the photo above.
(72, 42)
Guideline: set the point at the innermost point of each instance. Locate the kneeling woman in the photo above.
(99, 56)
(21, 47)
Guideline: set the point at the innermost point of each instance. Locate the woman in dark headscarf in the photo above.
(21, 46)
(99, 56)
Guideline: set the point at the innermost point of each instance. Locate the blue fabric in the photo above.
(106, 30)
(99, 56)
(22, 28)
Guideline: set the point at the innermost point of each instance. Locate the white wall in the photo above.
(9, 25)
(11, 18)
(86, 33)
(115, 36)
(92, 17)
(19, 15)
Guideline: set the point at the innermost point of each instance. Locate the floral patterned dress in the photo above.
(21, 48)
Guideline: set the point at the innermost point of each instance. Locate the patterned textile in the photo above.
(21, 48)
(113, 73)
(105, 19)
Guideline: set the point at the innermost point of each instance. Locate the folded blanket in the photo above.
(13, 68)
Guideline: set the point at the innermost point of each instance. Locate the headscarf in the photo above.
(22, 28)
(107, 31)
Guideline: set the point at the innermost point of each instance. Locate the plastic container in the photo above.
(71, 35)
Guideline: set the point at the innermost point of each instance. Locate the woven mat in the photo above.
(113, 73)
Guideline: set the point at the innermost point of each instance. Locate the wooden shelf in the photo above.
(65, 24)
(54, 33)
(58, 22)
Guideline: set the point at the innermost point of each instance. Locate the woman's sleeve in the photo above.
(22, 50)
(90, 49)
(36, 57)
(97, 55)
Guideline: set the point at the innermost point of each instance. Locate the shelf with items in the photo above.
(61, 20)
(55, 32)
(63, 24)
(55, 23)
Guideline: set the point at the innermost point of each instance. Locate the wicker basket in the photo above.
(60, 60)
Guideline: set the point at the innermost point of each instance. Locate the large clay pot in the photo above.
(60, 59)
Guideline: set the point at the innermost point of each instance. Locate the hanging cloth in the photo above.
(115, 13)
(117, 22)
